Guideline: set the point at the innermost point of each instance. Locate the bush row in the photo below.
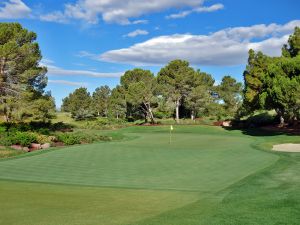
(34, 126)
(80, 138)
(25, 139)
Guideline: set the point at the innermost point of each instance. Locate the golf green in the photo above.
(135, 180)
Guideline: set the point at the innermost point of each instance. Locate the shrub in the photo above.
(44, 131)
(23, 138)
(5, 140)
(42, 139)
(69, 139)
(2, 130)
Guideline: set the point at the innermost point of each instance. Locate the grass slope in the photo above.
(206, 176)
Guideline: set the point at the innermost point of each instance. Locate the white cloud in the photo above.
(57, 71)
(225, 47)
(69, 83)
(56, 16)
(136, 33)
(201, 9)
(14, 9)
(83, 54)
(53, 70)
(117, 11)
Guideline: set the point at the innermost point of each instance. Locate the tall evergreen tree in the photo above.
(79, 104)
(20, 72)
(230, 92)
(117, 102)
(140, 86)
(176, 81)
(100, 100)
(274, 83)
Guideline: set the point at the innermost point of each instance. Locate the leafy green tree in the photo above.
(273, 83)
(101, 100)
(65, 107)
(201, 94)
(79, 103)
(230, 92)
(176, 81)
(282, 87)
(140, 86)
(19, 65)
(292, 48)
(43, 108)
(117, 102)
(198, 100)
(254, 76)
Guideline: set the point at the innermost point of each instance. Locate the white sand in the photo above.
(287, 147)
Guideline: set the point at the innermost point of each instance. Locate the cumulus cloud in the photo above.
(14, 9)
(202, 9)
(225, 47)
(69, 83)
(117, 11)
(136, 33)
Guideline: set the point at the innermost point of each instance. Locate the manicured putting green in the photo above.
(192, 162)
(207, 175)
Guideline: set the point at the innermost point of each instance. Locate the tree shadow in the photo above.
(265, 131)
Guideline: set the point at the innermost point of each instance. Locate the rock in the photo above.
(46, 145)
(17, 147)
(35, 146)
(226, 124)
(26, 149)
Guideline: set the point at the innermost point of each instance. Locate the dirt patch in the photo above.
(287, 147)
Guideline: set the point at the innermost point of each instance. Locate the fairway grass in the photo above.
(207, 175)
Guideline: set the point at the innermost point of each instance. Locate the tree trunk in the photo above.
(177, 110)
(149, 112)
(192, 115)
(281, 121)
(151, 115)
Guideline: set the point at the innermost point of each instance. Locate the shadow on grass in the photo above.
(265, 131)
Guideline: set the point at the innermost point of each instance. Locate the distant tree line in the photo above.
(177, 91)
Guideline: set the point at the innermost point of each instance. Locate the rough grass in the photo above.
(7, 152)
(207, 175)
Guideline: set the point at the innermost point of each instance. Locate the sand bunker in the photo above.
(287, 147)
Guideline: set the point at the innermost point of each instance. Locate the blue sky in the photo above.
(92, 42)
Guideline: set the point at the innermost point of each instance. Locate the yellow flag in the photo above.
(171, 128)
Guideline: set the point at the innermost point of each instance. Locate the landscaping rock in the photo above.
(226, 124)
(35, 146)
(26, 149)
(16, 147)
(45, 146)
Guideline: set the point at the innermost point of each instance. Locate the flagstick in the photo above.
(170, 136)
